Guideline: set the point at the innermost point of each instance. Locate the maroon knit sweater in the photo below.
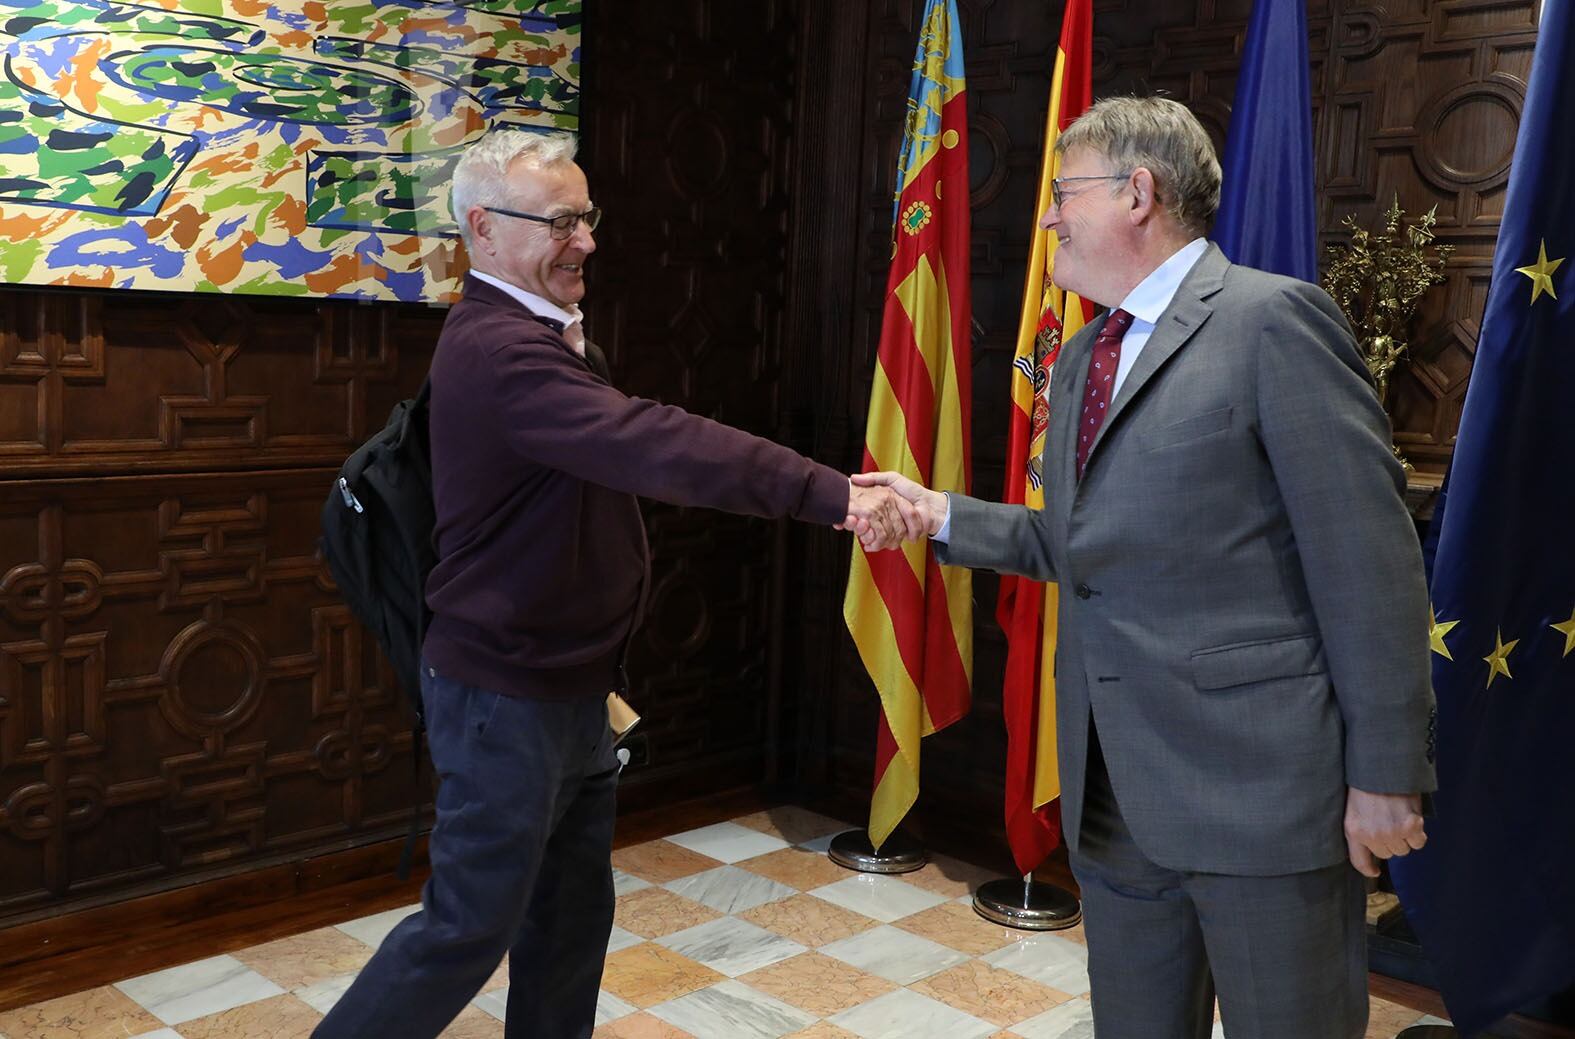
(536, 462)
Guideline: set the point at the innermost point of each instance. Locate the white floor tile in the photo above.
(882, 898)
(729, 842)
(731, 946)
(1073, 1019)
(373, 929)
(732, 1010)
(904, 1014)
(728, 889)
(162, 1033)
(322, 996)
(621, 939)
(610, 1008)
(198, 989)
(624, 883)
(495, 1002)
(1047, 959)
(1219, 1031)
(895, 955)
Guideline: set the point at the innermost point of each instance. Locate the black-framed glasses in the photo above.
(1058, 191)
(560, 227)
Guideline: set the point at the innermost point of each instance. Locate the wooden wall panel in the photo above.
(182, 687)
(688, 148)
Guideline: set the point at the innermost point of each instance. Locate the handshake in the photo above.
(886, 509)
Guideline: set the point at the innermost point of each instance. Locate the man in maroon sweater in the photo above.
(541, 576)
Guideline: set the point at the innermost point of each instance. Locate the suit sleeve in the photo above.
(557, 414)
(1328, 443)
(987, 535)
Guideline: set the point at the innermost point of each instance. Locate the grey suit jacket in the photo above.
(1242, 609)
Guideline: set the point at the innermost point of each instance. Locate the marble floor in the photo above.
(742, 930)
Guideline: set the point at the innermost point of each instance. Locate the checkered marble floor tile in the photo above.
(742, 930)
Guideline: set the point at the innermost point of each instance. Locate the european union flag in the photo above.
(1266, 217)
(1492, 895)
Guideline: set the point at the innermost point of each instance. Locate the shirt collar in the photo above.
(1154, 293)
(532, 302)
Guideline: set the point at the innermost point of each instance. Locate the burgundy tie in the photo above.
(1101, 379)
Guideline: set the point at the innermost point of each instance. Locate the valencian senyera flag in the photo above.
(1492, 894)
(1026, 609)
(911, 618)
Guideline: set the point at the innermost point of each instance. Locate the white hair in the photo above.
(479, 174)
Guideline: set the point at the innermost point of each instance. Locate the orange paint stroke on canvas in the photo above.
(222, 267)
(23, 226)
(78, 279)
(83, 80)
(441, 27)
(184, 224)
(290, 214)
(544, 55)
(228, 162)
(344, 271)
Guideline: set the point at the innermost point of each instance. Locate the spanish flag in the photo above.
(1027, 609)
(912, 619)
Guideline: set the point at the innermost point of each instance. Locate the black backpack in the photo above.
(377, 538)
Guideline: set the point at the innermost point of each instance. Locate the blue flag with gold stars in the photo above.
(1492, 895)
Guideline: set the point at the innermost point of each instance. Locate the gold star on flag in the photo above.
(1541, 273)
(1498, 660)
(1567, 629)
(1436, 630)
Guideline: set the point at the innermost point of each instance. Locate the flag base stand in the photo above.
(851, 849)
(1027, 904)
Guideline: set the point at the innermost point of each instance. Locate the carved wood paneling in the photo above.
(182, 687)
(688, 148)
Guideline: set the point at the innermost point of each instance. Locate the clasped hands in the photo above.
(885, 509)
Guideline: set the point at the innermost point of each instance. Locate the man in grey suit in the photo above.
(1242, 686)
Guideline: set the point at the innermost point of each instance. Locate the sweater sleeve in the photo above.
(556, 413)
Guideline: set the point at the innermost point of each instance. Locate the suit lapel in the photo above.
(1185, 315)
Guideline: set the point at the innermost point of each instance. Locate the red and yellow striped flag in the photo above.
(1027, 609)
(911, 618)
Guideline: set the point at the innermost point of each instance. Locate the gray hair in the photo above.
(479, 175)
(1162, 136)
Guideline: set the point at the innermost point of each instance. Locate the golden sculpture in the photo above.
(1378, 279)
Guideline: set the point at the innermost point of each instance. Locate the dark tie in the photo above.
(1101, 380)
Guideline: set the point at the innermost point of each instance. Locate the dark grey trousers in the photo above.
(1286, 955)
(521, 864)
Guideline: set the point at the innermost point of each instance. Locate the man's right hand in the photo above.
(931, 506)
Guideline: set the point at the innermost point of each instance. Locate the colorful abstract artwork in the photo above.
(279, 147)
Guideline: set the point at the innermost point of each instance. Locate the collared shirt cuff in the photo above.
(945, 533)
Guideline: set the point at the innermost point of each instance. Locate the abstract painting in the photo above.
(278, 147)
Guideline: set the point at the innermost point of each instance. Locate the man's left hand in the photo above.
(1381, 826)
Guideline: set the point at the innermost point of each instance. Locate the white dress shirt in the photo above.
(572, 319)
(1146, 303)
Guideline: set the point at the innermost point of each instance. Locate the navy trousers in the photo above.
(521, 864)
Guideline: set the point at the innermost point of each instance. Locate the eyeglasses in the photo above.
(560, 227)
(1058, 189)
